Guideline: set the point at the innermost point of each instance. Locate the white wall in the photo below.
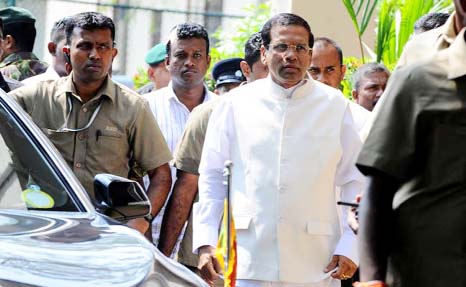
(330, 19)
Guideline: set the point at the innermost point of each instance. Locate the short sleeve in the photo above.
(25, 96)
(391, 144)
(148, 144)
(188, 153)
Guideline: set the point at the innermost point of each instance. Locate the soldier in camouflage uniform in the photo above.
(17, 60)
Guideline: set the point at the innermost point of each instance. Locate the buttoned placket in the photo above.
(281, 182)
(284, 164)
(283, 159)
(81, 114)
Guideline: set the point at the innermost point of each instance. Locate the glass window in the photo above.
(27, 180)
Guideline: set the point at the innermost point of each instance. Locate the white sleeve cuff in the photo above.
(206, 223)
(348, 247)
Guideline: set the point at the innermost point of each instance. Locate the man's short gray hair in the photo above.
(364, 71)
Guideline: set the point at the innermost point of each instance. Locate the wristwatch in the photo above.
(149, 218)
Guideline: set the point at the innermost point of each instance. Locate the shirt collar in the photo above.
(171, 96)
(449, 32)
(456, 55)
(67, 86)
(292, 92)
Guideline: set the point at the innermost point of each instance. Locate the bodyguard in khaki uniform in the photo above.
(96, 124)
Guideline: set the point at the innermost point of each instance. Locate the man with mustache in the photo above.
(97, 125)
(186, 160)
(291, 140)
(327, 67)
(369, 82)
(187, 61)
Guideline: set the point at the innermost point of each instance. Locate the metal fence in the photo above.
(139, 24)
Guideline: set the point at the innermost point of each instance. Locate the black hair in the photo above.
(89, 21)
(327, 41)
(284, 19)
(188, 31)
(430, 21)
(252, 49)
(23, 33)
(58, 30)
(365, 70)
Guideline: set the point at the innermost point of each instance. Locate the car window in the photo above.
(27, 181)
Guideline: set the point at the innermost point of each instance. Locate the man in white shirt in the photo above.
(327, 67)
(291, 140)
(187, 61)
(55, 48)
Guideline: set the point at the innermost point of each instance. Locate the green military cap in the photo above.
(12, 15)
(156, 54)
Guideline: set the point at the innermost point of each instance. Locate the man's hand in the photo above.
(346, 267)
(140, 224)
(208, 266)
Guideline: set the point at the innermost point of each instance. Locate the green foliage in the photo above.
(230, 44)
(141, 78)
(360, 22)
(395, 24)
(386, 37)
(369, 7)
(352, 64)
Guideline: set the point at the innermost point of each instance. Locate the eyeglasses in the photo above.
(64, 128)
(301, 49)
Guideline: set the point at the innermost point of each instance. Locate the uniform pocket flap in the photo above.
(319, 228)
(109, 133)
(242, 222)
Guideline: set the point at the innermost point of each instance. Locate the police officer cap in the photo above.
(156, 54)
(12, 15)
(228, 71)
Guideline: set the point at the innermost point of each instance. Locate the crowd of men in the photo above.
(296, 143)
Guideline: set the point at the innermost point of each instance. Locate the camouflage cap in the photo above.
(12, 15)
(156, 54)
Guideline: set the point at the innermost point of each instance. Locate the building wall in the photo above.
(144, 28)
(329, 18)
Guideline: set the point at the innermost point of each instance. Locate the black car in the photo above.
(51, 233)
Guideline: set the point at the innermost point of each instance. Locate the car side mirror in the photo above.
(120, 198)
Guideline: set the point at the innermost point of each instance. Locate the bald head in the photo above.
(327, 62)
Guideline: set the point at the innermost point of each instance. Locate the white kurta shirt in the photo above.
(171, 115)
(221, 134)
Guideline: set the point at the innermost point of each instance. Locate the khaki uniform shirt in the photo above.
(188, 153)
(124, 130)
(424, 45)
(22, 65)
(187, 158)
(419, 139)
